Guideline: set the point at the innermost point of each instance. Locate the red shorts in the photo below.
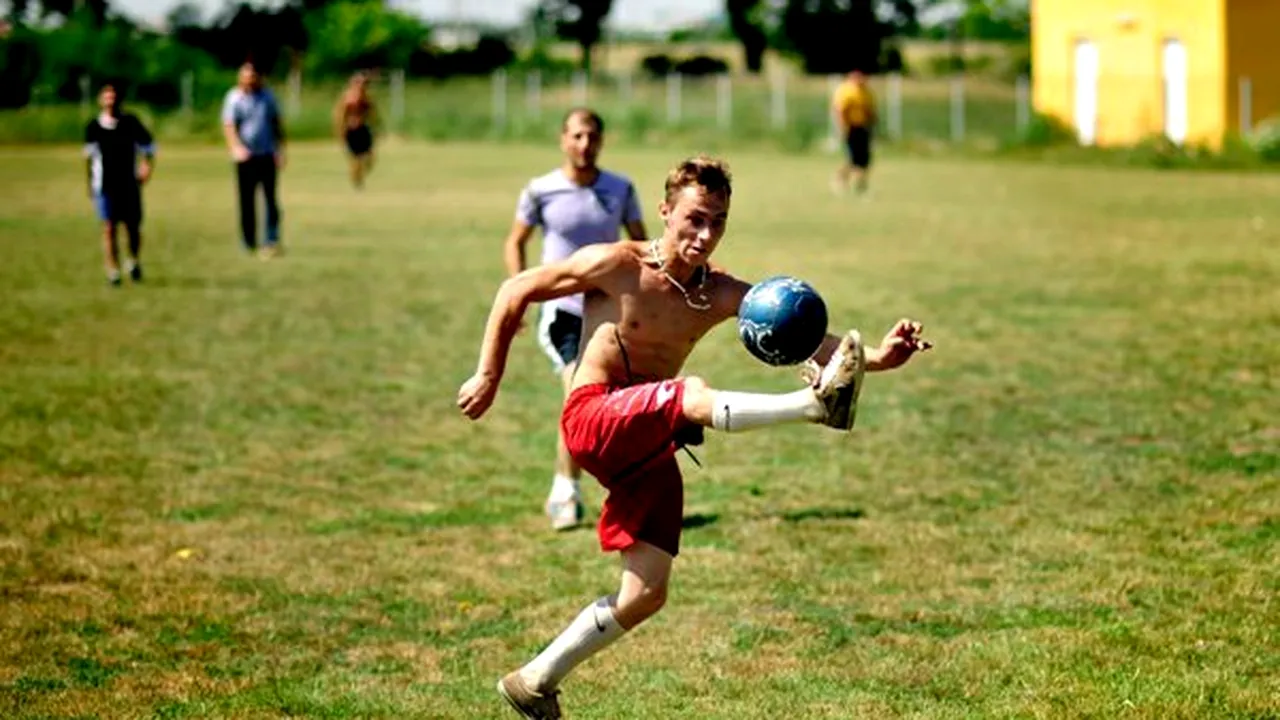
(625, 437)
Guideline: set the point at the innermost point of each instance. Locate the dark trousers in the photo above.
(257, 170)
(858, 145)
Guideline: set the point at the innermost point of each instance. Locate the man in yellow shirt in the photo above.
(855, 112)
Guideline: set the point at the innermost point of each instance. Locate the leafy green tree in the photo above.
(747, 22)
(18, 10)
(832, 36)
(184, 15)
(903, 17)
(348, 36)
(19, 67)
(996, 20)
(96, 9)
(581, 21)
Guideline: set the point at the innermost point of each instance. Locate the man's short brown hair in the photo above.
(587, 115)
(708, 173)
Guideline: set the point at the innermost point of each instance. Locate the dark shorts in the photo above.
(858, 144)
(627, 438)
(559, 334)
(359, 140)
(120, 206)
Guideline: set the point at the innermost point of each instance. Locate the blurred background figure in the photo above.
(855, 112)
(254, 132)
(353, 119)
(576, 204)
(112, 142)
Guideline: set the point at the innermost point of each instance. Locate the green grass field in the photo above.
(242, 490)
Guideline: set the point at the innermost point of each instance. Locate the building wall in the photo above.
(1129, 35)
(1253, 51)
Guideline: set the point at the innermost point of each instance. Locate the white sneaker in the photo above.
(566, 513)
(840, 382)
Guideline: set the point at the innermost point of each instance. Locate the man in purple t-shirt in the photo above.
(576, 205)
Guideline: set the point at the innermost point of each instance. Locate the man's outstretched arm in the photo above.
(578, 273)
(899, 345)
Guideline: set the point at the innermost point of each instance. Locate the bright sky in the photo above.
(648, 14)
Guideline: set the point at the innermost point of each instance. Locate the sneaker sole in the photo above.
(565, 526)
(856, 361)
(502, 690)
(559, 523)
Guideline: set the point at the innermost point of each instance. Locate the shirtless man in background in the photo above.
(352, 121)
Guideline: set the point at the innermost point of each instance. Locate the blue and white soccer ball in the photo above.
(782, 320)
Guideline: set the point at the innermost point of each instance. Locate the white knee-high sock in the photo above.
(737, 411)
(589, 633)
(564, 487)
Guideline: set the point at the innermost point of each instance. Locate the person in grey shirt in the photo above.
(576, 204)
(255, 136)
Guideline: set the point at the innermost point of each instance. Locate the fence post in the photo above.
(579, 88)
(779, 97)
(724, 101)
(397, 99)
(895, 106)
(533, 94)
(1246, 106)
(624, 88)
(957, 109)
(673, 98)
(1023, 111)
(294, 102)
(188, 92)
(499, 100)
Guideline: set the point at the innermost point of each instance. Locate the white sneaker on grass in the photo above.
(840, 382)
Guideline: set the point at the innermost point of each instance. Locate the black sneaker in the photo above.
(135, 273)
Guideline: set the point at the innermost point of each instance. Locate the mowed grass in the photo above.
(242, 489)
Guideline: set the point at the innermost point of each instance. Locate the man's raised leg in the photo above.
(833, 399)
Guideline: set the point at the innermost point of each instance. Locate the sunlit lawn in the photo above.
(242, 490)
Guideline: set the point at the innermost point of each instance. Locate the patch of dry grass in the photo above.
(242, 490)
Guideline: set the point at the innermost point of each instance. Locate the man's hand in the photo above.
(902, 342)
(239, 153)
(476, 395)
(144, 171)
(280, 160)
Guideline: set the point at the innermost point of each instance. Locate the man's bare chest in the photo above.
(657, 312)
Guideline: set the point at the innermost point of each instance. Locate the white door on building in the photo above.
(1175, 90)
(1085, 72)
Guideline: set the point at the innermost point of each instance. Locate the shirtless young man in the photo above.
(352, 120)
(647, 305)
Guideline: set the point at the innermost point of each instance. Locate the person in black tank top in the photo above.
(113, 142)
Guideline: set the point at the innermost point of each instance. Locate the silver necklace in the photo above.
(702, 301)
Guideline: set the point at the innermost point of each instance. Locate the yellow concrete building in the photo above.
(1120, 71)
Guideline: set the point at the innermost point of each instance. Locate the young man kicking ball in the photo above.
(647, 305)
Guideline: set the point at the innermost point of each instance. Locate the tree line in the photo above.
(52, 44)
